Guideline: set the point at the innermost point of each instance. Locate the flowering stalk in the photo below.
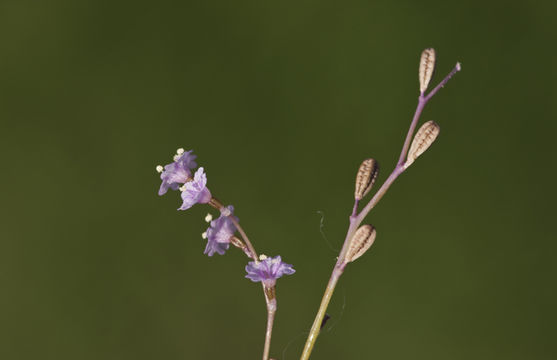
(269, 293)
(270, 302)
(270, 299)
(250, 251)
(426, 71)
(220, 234)
(267, 271)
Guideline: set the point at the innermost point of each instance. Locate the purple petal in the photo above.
(215, 247)
(178, 172)
(268, 270)
(220, 232)
(195, 191)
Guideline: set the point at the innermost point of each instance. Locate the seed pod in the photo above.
(360, 242)
(425, 136)
(365, 178)
(427, 65)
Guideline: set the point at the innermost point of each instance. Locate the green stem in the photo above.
(316, 327)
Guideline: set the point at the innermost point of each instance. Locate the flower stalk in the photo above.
(270, 299)
(220, 234)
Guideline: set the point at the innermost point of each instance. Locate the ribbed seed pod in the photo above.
(365, 178)
(427, 65)
(425, 136)
(360, 242)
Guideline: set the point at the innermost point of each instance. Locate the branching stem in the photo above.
(357, 218)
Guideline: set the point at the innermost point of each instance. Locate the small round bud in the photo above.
(427, 65)
(204, 235)
(159, 168)
(180, 151)
(425, 136)
(208, 218)
(367, 173)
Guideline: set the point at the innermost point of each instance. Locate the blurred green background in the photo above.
(281, 100)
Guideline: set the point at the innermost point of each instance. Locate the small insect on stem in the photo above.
(325, 319)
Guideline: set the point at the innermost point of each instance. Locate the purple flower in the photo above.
(195, 192)
(268, 270)
(220, 232)
(177, 173)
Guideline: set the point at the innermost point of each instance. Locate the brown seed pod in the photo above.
(425, 136)
(360, 242)
(427, 65)
(365, 178)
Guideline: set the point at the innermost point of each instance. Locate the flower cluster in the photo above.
(178, 176)
(178, 172)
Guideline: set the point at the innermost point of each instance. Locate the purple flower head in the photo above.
(220, 232)
(177, 173)
(268, 270)
(195, 192)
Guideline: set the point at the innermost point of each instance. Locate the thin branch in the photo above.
(268, 333)
(443, 82)
(245, 238)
